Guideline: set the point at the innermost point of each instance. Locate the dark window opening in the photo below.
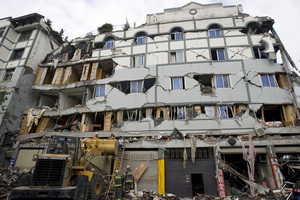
(94, 121)
(191, 112)
(218, 54)
(258, 52)
(17, 54)
(134, 86)
(99, 45)
(140, 38)
(9, 74)
(197, 184)
(2, 30)
(176, 34)
(178, 112)
(205, 83)
(270, 113)
(177, 153)
(68, 123)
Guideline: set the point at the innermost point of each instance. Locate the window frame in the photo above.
(224, 84)
(9, 73)
(25, 36)
(109, 43)
(175, 58)
(138, 60)
(275, 84)
(222, 113)
(2, 31)
(181, 84)
(175, 34)
(257, 53)
(100, 90)
(141, 39)
(15, 54)
(214, 31)
(217, 54)
(136, 86)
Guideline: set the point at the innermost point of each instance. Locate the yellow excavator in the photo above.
(65, 171)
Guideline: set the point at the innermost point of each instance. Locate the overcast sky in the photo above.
(82, 16)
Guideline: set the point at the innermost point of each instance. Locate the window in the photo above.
(141, 40)
(2, 30)
(205, 81)
(17, 54)
(109, 43)
(258, 52)
(210, 111)
(25, 36)
(177, 83)
(214, 32)
(138, 61)
(222, 81)
(218, 54)
(268, 80)
(100, 91)
(9, 74)
(136, 86)
(177, 57)
(133, 115)
(178, 112)
(176, 35)
(222, 112)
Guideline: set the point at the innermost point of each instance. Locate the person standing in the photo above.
(118, 185)
(128, 179)
(121, 141)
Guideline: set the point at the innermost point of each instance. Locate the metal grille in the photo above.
(177, 153)
(49, 172)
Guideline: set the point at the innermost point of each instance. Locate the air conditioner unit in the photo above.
(259, 130)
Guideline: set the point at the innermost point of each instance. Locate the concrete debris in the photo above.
(176, 134)
(8, 177)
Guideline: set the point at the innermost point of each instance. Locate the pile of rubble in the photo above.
(8, 177)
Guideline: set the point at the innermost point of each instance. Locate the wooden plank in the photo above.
(139, 171)
(66, 75)
(94, 70)
(85, 72)
(59, 76)
(24, 128)
(38, 78)
(99, 73)
(107, 121)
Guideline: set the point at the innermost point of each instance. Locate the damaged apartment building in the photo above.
(189, 91)
(24, 42)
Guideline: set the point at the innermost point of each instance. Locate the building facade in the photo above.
(190, 91)
(24, 42)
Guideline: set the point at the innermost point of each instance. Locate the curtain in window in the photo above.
(177, 84)
(219, 80)
(222, 112)
(180, 112)
(209, 111)
(100, 91)
(221, 55)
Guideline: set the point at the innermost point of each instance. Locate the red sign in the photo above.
(221, 184)
(274, 163)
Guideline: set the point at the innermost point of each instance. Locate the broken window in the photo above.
(225, 111)
(177, 83)
(176, 56)
(177, 112)
(176, 34)
(68, 123)
(2, 30)
(100, 91)
(17, 54)
(254, 28)
(136, 86)
(210, 111)
(283, 81)
(268, 80)
(258, 52)
(205, 83)
(133, 115)
(191, 113)
(140, 38)
(218, 54)
(109, 43)
(222, 81)
(94, 122)
(271, 113)
(25, 36)
(138, 61)
(8, 74)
